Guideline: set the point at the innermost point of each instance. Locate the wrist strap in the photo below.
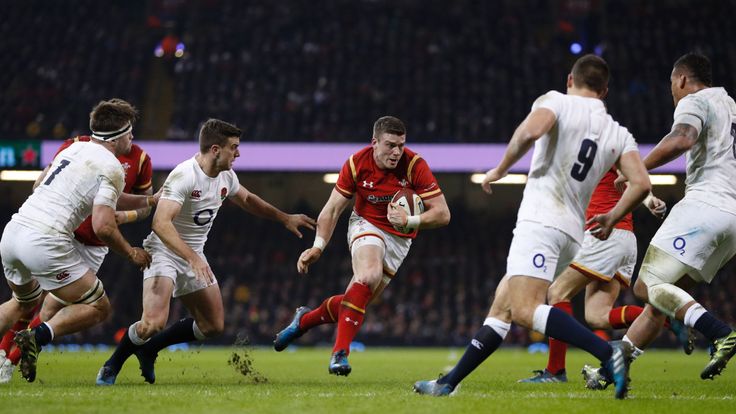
(413, 222)
(319, 243)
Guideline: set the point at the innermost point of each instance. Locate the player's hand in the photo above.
(492, 176)
(620, 182)
(202, 270)
(657, 207)
(140, 258)
(294, 221)
(307, 257)
(396, 215)
(603, 226)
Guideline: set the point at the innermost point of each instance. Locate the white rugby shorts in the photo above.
(92, 255)
(166, 263)
(698, 235)
(607, 259)
(30, 254)
(395, 248)
(539, 251)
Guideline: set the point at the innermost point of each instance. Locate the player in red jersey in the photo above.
(371, 176)
(138, 180)
(601, 267)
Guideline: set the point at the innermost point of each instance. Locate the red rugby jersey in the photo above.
(375, 187)
(605, 196)
(138, 179)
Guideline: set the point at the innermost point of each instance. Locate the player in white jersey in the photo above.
(699, 235)
(192, 196)
(37, 246)
(575, 142)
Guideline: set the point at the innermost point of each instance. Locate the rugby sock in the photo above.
(351, 315)
(44, 334)
(14, 356)
(623, 316)
(7, 342)
(559, 325)
(327, 312)
(35, 322)
(483, 344)
(707, 324)
(181, 331)
(125, 348)
(558, 349)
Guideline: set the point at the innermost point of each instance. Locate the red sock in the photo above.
(558, 349)
(7, 342)
(35, 322)
(351, 315)
(327, 312)
(14, 356)
(623, 316)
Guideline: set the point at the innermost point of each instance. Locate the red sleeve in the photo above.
(145, 174)
(423, 180)
(65, 145)
(346, 180)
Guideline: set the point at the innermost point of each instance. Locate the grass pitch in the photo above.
(202, 381)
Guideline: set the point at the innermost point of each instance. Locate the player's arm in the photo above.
(40, 178)
(673, 145)
(326, 222)
(436, 214)
(137, 201)
(163, 226)
(259, 207)
(536, 124)
(130, 216)
(639, 187)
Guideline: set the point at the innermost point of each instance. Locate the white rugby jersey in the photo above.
(711, 162)
(570, 160)
(200, 197)
(83, 175)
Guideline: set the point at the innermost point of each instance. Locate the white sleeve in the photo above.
(552, 100)
(629, 143)
(111, 185)
(178, 186)
(234, 184)
(692, 111)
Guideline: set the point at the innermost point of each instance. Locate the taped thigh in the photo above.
(29, 297)
(95, 293)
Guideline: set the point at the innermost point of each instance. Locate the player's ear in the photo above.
(603, 94)
(570, 82)
(374, 140)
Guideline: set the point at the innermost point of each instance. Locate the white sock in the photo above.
(501, 327)
(197, 333)
(636, 350)
(692, 314)
(133, 335)
(541, 314)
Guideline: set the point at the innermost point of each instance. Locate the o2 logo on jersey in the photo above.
(538, 261)
(223, 193)
(204, 217)
(679, 245)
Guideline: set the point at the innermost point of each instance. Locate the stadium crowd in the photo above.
(291, 71)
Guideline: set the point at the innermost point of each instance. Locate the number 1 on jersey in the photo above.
(580, 169)
(62, 164)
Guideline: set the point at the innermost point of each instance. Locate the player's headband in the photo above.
(112, 135)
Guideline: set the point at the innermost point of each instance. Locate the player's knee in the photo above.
(596, 319)
(371, 278)
(104, 309)
(641, 291)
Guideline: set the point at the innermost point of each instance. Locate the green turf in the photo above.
(201, 381)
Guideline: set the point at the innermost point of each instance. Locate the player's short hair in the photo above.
(696, 66)
(388, 125)
(112, 115)
(216, 132)
(591, 72)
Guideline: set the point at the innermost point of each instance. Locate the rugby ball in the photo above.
(407, 199)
